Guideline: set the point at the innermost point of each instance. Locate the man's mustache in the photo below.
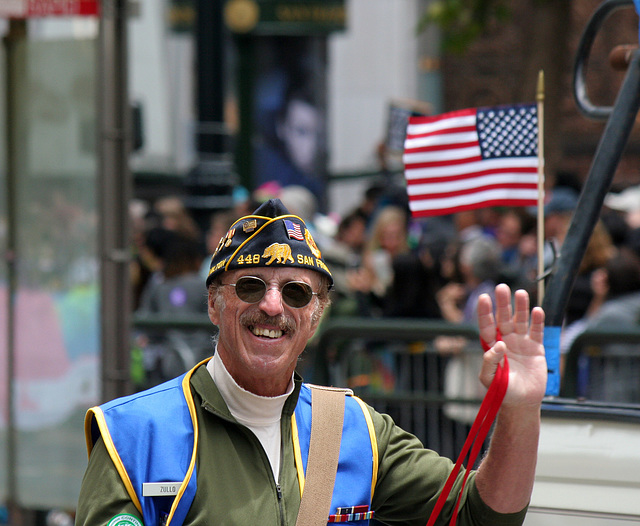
(282, 322)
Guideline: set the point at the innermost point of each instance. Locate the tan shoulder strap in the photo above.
(327, 416)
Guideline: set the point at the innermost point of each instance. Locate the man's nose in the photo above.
(271, 302)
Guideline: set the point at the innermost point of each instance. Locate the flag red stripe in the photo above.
(439, 147)
(448, 162)
(446, 179)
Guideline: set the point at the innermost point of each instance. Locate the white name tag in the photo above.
(160, 489)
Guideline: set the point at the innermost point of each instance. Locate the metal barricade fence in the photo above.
(393, 365)
(604, 365)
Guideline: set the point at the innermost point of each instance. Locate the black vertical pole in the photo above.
(246, 64)
(114, 193)
(17, 32)
(210, 78)
(210, 181)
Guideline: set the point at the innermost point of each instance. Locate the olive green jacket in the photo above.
(236, 485)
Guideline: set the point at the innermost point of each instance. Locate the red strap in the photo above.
(477, 435)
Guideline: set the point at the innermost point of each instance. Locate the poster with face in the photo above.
(290, 113)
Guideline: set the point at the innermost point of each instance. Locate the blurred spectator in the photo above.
(176, 291)
(344, 255)
(516, 234)
(586, 296)
(612, 376)
(218, 224)
(480, 266)
(370, 199)
(417, 274)
(179, 289)
(387, 240)
(352, 231)
(147, 265)
(300, 201)
(489, 219)
(558, 211)
(139, 269)
(175, 216)
(632, 241)
(467, 225)
(412, 293)
(383, 192)
(599, 250)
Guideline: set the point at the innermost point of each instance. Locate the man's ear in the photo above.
(212, 308)
(316, 319)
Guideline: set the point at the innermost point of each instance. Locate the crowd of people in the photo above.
(387, 264)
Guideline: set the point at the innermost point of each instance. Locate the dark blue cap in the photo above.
(270, 237)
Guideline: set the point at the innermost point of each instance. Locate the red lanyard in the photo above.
(477, 435)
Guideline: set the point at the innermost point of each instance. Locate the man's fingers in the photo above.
(503, 309)
(521, 317)
(486, 322)
(536, 332)
(490, 361)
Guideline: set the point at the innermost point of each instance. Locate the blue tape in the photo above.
(552, 351)
(637, 3)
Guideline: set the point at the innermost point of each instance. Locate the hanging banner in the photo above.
(285, 17)
(45, 8)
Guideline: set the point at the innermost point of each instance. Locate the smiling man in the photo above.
(229, 442)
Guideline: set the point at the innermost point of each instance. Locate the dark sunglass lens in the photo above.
(297, 294)
(250, 289)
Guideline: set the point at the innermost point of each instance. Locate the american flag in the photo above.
(294, 230)
(472, 158)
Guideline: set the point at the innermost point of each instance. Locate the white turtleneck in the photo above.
(261, 414)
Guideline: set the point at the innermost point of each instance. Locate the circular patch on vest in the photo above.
(124, 520)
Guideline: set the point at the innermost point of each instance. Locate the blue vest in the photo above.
(163, 422)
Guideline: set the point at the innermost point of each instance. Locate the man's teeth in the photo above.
(266, 332)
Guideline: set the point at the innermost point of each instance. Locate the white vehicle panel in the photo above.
(588, 470)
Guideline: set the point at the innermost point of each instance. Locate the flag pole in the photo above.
(540, 223)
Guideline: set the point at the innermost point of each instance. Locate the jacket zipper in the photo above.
(253, 437)
(279, 492)
(278, 487)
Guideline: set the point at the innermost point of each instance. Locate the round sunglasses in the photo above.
(251, 289)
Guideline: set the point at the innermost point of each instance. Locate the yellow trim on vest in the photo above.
(374, 443)
(186, 389)
(270, 220)
(97, 413)
(88, 418)
(297, 455)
